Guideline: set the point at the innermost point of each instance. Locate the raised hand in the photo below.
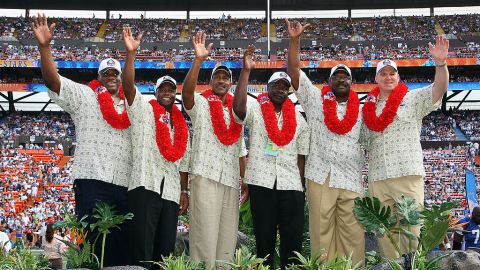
(131, 44)
(248, 61)
(198, 41)
(43, 33)
(295, 29)
(439, 50)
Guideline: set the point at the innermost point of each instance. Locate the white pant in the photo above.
(213, 221)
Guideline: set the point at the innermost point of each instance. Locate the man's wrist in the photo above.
(45, 46)
(440, 64)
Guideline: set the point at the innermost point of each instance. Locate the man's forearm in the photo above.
(49, 69)
(190, 83)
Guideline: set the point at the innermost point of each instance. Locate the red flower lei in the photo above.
(105, 100)
(284, 136)
(171, 152)
(226, 135)
(380, 123)
(332, 122)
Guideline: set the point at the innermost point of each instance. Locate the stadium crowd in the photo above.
(445, 169)
(317, 53)
(377, 28)
(161, 30)
(469, 121)
(52, 126)
(35, 190)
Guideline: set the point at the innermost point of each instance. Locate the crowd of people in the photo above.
(445, 169)
(154, 30)
(163, 30)
(34, 193)
(469, 121)
(460, 24)
(228, 29)
(316, 53)
(50, 125)
(377, 28)
(438, 127)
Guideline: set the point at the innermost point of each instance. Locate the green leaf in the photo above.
(435, 225)
(394, 265)
(373, 217)
(434, 235)
(407, 208)
(244, 260)
(409, 234)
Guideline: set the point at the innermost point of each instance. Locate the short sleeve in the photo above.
(243, 148)
(136, 111)
(422, 101)
(200, 102)
(303, 139)
(72, 95)
(184, 165)
(307, 92)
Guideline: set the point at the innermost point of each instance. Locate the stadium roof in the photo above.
(210, 5)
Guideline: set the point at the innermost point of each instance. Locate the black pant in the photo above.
(87, 193)
(271, 208)
(153, 230)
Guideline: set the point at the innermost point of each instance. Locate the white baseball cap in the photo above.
(165, 79)
(224, 68)
(110, 63)
(340, 67)
(386, 62)
(280, 75)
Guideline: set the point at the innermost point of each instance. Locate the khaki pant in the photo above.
(333, 226)
(213, 221)
(389, 190)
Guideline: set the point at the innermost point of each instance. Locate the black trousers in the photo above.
(87, 193)
(153, 230)
(272, 208)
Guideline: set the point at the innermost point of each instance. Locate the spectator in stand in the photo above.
(53, 248)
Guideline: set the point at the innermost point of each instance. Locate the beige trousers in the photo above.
(213, 221)
(334, 230)
(387, 191)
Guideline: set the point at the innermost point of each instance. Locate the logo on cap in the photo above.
(283, 75)
(213, 98)
(387, 62)
(100, 90)
(370, 99)
(264, 99)
(111, 63)
(163, 118)
(329, 96)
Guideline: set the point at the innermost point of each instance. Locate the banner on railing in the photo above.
(238, 64)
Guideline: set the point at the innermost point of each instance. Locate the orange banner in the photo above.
(20, 87)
